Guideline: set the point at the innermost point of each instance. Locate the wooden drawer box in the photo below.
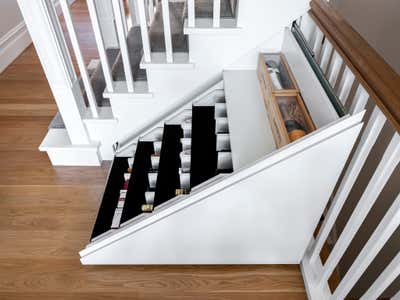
(288, 115)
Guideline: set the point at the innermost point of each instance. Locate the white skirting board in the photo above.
(12, 44)
(263, 214)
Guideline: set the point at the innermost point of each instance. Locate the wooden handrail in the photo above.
(370, 69)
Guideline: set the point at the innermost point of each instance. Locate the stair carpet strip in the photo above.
(180, 158)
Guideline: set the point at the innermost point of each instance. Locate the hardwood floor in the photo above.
(47, 213)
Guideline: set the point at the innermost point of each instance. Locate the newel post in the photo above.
(43, 25)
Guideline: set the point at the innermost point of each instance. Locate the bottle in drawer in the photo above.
(149, 196)
(288, 116)
(157, 147)
(155, 161)
(221, 125)
(117, 218)
(186, 143)
(184, 179)
(187, 127)
(186, 158)
(220, 110)
(223, 142)
(152, 176)
(224, 162)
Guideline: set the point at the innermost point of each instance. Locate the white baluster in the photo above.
(360, 100)
(325, 55)
(100, 45)
(122, 8)
(378, 239)
(79, 57)
(345, 85)
(368, 139)
(122, 35)
(334, 70)
(317, 43)
(388, 163)
(191, 13)
(217, 13)
(391, 272)
(167, 30)
(144, 30)
(396, 297)
(151, 10)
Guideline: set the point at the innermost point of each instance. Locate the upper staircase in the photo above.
(204, 169)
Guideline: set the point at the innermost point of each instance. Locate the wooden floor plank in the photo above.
(47, 214)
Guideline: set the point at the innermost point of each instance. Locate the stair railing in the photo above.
(360, 79)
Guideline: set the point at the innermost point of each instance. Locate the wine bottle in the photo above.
(291, 115)
(147, 208)
(275, 74)
(179, 192)
(155, 161)
(187, 127)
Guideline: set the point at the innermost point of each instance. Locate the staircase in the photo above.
(198, 176)
(191, 148)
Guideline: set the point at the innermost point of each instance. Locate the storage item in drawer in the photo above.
(224, 162)
(149, 195)
(152, 176)
(187, 127)
(155, 161)
(186, 143)
(220, 110)
(223, 142)
(185, 157)
(157, 147)
(184, 179)
(221, 125)
(288, 116)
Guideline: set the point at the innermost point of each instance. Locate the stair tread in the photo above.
(179, 39)
(135, 49)
(204, 9)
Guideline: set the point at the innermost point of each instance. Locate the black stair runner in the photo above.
(138, 182)
(111, 195)
(204, 155)
(168, 170)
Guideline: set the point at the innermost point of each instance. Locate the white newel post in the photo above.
(53, 53)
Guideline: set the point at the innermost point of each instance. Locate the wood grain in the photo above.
(47, 214)
(370, 69)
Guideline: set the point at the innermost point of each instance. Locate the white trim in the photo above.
(12, 44)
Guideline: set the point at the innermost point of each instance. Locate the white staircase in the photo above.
(214, 42)
(247, 216)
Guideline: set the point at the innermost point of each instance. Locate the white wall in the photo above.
(14, 37)
(10, 16)
(378, 22)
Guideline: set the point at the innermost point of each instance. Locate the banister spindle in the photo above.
(79, 57)
(334, 70)
(376, 242)
(167, 30)
(345, 85)
(388, 163)
(391, 272)
(100, 45)
(191, 13)
(119, 16)
(217, 13)
(368, 139)
(151, 10)
(144, 30)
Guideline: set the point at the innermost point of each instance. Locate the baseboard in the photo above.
(12, 44)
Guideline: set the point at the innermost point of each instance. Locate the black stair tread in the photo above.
(179, 39)
(204, 154)
(110, 197)
(135, 49)
(138, 182)
(204, 8)
(168, 171)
